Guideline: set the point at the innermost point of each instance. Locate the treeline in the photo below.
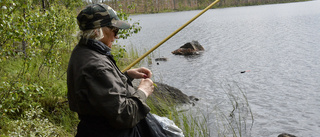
(155, 6)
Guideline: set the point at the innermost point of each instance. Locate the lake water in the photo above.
(277, 45)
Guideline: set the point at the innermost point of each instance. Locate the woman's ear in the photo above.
(99, 33)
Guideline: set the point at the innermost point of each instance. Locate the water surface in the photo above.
(278, 45)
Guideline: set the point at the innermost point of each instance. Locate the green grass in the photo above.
(192, 125)
(238, 120)
(31, 92)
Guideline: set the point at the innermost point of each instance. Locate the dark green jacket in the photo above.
(96, 87)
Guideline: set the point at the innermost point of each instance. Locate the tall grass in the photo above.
(191, 124)
(230, 117)
(234, 117)
(32, 91)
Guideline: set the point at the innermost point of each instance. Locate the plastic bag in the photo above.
(156, 129)
(168, 125)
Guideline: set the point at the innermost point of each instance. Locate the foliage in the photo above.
(34, 43)
(32, 123)
(18, 96)
(36, 40)
(125, 33)
(28, 28)
(119, 52)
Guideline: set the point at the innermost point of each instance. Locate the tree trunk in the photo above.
(24, 43)
(43, 6)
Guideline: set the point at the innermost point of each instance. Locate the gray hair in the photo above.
(96, 34)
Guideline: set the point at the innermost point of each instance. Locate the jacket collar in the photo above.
(97, 46)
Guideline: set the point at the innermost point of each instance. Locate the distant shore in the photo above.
(150, 7)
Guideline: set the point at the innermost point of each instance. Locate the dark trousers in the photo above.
(98, 127)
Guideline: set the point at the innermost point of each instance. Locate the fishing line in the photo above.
(171, 35)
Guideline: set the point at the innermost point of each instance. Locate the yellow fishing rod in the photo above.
(171, 35)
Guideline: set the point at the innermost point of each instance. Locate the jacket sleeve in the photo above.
(129, 78)
(112, 97)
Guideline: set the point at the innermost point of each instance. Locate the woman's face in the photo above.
(109, 36)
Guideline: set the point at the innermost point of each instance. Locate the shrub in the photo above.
(32, 123)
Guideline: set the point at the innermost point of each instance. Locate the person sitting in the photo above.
(103, 96)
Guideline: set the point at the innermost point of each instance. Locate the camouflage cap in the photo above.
(100, 15)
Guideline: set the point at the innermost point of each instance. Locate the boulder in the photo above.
(190, 48)
(168, 94)
(286, 135)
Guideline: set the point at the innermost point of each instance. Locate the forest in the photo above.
(36, 40)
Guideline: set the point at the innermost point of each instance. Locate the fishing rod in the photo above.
(171, 35)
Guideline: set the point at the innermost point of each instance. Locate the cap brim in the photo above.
(121, 24)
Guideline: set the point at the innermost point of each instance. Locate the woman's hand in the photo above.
(139, 73)
(146, 85)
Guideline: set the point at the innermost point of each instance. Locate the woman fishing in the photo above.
(103, 96)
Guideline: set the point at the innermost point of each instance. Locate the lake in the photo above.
(277, 46)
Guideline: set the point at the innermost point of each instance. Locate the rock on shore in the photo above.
(169, 94)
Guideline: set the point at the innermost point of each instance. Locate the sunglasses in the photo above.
(114, 30)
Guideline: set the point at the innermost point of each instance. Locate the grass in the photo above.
(34, 99)
(232, 116)
(234, 122)
(192, 126)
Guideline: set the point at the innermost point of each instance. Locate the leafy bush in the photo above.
(32, 123)
(18, 96)
(35, 46)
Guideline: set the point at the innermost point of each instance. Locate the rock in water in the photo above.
(161, 59)
(190, 48)
(286, 135)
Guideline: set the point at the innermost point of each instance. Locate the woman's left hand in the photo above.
(139, 73)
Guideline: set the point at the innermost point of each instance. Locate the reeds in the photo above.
(233, 117)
